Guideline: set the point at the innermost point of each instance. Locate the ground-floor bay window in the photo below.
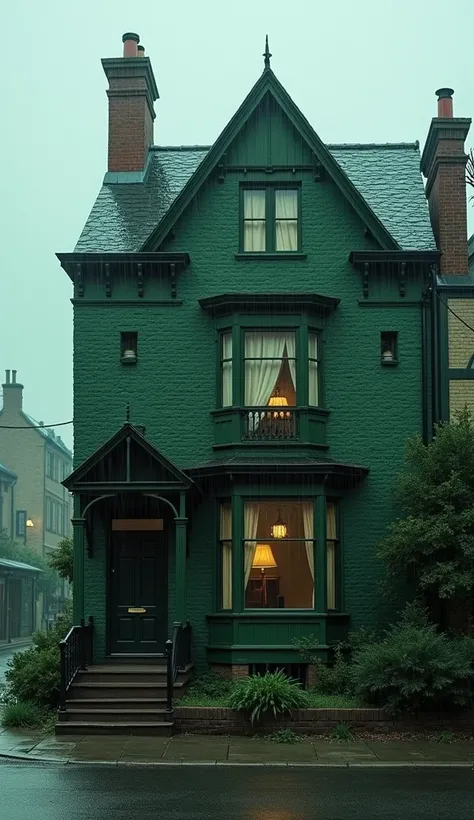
(279, 555)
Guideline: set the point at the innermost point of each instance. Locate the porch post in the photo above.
(78, 525)
(181, 533)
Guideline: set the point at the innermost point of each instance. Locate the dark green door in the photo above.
(138, 593)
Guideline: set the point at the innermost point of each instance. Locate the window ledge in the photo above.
(271, 256)
(389, 362)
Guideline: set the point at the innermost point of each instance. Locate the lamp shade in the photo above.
(278, 401)
(263, 558)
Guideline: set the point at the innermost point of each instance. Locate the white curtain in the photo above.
(286, 220)
(291, 353)
(313, 370)
(254, 221)
(263, 354)
(307, 507)
(227, 370)
(331, 536)
(226, 539)
(251, 513)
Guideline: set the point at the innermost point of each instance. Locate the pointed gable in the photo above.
(127, 461)
(269, 97)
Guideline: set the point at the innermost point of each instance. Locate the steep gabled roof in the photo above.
(269, 84)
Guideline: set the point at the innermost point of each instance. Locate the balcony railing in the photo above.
(269, 424)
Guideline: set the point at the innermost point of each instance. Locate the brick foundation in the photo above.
(231, 671)
(219, 721)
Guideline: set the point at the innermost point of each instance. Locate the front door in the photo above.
(138, 593)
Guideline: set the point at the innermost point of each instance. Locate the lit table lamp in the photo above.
(278, 401)
(262, 560)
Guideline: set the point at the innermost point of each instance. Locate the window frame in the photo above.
(220, 553)
(270, 189)
(338, 558)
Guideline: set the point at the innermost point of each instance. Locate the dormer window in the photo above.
(270, 219)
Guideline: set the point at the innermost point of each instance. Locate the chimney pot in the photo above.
(130, 42)
(140, 51)
(7, 377)
(445, 102)
(13, 376)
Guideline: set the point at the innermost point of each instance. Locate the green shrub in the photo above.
(414, 667)
(284, 736)
(209, 686)
(23, 714)
(33, 675)
(342, 733)
(331, 679)
(272, 693)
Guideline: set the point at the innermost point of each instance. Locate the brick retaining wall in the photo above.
(220, 721)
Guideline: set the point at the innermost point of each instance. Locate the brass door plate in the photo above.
(136, 609)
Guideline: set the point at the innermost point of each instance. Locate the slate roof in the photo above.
(49, 434)
(7, 564)
(388, 177)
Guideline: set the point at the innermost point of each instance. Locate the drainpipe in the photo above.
(424, 370)
(12, 511)
(434, 352)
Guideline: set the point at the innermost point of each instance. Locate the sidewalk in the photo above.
(219, 750)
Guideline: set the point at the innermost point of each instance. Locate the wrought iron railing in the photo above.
(178, 656)
(75, 653)
(269, 424)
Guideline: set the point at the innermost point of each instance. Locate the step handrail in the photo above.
(75, 654)
(178, 656)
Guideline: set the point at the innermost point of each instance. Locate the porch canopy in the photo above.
(127, 463)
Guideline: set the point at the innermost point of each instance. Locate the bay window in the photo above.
(332, 554)
(226, 369)
(225, 538)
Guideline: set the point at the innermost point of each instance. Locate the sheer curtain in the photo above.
(254, 220)
(226, 540)
(263, 354)
(226, 369)
(291, 353)
(307, 507)
(331, 536)
(286, 220)
(313, 370)
(251, 513)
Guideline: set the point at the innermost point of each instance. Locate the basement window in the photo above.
(389, 347)
(129, 347)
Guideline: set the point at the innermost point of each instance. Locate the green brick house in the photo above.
(254, 341)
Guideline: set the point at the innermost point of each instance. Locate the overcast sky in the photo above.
(360, 72)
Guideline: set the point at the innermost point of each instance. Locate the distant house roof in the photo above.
(49, 434)
(8, 472)
(7, 564)
(388, 177)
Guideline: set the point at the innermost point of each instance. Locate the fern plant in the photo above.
(273, 693)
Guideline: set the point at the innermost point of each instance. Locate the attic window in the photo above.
(129, 347)
(270, 219)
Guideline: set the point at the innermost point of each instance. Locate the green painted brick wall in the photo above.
(172, 389)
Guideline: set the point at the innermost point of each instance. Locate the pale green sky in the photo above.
(360, 72)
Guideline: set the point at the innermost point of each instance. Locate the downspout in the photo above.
(424, 380)
(12, 511)
(434, 352)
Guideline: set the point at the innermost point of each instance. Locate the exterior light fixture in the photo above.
(29, 523)
(129, 356)
(279, 528)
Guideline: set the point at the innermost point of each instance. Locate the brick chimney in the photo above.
(443, 163)
(12, 394)
(132, 92)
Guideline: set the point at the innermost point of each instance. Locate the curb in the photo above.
(380, 764)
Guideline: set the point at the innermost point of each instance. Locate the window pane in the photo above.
(279, 573)
(313, 384)
(331, 523)
(270, 367)
(254, 204)
(331, 575)
(254, 236)
(313, 345)
(226, 370)
(226, 556)
(286, 235)
(286, 204)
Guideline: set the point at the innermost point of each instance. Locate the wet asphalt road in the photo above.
(69, 792)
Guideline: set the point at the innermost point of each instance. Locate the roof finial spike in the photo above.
(127, 414)
(266, 53)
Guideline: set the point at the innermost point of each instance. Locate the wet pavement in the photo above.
(203, 793)
(222, 750)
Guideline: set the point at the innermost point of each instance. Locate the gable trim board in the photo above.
(268, 83)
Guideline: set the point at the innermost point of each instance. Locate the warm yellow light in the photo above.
(278, 401)
(279, 528)
(29, 523)
(263, 558)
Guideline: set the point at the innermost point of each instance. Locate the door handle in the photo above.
(136, 610)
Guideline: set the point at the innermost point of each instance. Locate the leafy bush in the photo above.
(285, 736)
(414, 667)
(23, 713)
(209, 686)
(334, 679)
(272, 693)
(61, 560)
(33, 675)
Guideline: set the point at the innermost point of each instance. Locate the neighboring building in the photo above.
(18, 599)
(39, 506)
(8, 481)
(267, 308)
